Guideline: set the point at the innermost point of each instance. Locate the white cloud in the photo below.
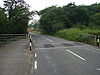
(1, 3)
(41, 4)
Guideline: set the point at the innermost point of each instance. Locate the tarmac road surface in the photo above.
(55, 56)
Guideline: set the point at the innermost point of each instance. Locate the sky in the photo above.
(41, 4)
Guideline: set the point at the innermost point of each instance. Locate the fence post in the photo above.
(26, 36)
(98, 40)
(95, 40)
(11, 37)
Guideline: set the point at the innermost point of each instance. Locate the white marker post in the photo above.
(98, 40)
(30, 43)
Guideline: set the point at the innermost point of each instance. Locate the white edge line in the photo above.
(43, 37)
(32, 69)
(35, 54)
(76, 55)
(35, 65)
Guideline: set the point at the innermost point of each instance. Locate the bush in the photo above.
(92, 31)
(72, 33)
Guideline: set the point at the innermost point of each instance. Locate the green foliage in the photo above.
(52, 20)
(17, 17)
(92, 31)
(96, 19)
(76, 14)
(34, 25)
(3, 21)
(20, 19)
(56, 18)
(71, 34)
(94, 8)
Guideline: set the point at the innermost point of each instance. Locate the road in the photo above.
(55, 56)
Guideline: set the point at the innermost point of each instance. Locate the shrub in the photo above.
(72, 33)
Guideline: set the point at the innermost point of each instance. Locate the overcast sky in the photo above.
(41, 4)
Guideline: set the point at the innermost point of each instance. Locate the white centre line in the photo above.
(98, 69)
(35, 54)
(76, 55)
(48, 39)
(43, 37)
(35, 65)
(34, 41)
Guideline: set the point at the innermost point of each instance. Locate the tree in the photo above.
(95, 8)
(52, 19)
(20, 19)
(34, 24)
(76, 14)
(12, 4)
(95, 19)
(18, 15)
(3, 22)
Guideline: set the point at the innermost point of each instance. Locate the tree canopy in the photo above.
(17, 15)
(55, 18)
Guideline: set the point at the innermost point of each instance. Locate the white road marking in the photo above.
(35, 65)
(35, 54)
(47, 39)
(34, 41)
(43, 37)
(76, 55)
(98, 69)
(32, 69)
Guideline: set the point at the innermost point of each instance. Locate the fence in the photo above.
(88, 38)
(6, 37)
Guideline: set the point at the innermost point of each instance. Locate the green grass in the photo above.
(71, 34)
(92, 31)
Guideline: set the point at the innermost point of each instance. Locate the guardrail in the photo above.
(88, 38)
(7, 37)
